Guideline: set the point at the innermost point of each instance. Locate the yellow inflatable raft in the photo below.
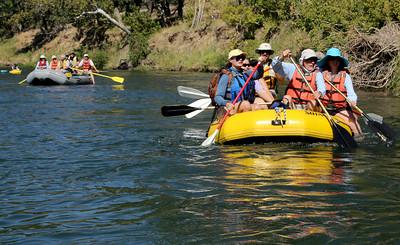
(272, 125)
(15, 72)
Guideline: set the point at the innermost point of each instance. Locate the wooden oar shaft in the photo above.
(342, 94)
(312, 90)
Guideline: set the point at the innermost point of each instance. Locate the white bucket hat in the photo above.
(42, 56)
(53, 57)
(307, 54)
(85, 55)
(264, 47)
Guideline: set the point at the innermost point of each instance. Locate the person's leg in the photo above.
(351, 120)
(259, 104)
(243, 106)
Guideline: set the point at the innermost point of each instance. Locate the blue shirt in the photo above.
(223, 84)
(287, 70)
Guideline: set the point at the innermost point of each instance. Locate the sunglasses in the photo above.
(265, 52)
(245, 65)
(311, 60)
(240, 57)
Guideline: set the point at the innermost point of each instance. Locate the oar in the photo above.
(191, 93)
(211, 138)
(179, 110)
(381, 129)
(115, 79)
(340, 135)
(202, 104)
(22, 81)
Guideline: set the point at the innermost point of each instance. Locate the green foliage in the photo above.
(100, 59)
(141, 26)
(242, 17)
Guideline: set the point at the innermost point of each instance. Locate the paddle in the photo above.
(22, 81)
(385, 133)
(179, 110)
(115, 79)
(340, 135)
(202, 104)
(191, 93)
(211, 138)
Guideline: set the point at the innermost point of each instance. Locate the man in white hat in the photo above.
(87, 64)
(42, 64)
(298, 93)
(269, 81)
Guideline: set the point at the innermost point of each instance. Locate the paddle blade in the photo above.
(22, 81)
(202, 104)
(118, 79)
(343, 137)
(383, 131)
(211, 139)
(191, 93)
(176, 110)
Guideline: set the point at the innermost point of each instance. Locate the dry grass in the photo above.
(63, 43)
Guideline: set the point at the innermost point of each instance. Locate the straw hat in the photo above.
(235, 52)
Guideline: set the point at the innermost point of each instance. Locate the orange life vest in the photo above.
(332, 97)
(86, 65)
(298, 89)
(54, 64)
(42, 64)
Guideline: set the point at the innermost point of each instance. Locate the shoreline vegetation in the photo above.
(195, 35)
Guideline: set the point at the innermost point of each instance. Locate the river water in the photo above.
(99, 164)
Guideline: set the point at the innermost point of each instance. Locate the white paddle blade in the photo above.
(210, 140)
(201, 103)
(191, 93)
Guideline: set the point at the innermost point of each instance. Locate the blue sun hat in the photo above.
(333, 52)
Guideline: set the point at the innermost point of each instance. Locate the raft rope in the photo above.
(278, 111)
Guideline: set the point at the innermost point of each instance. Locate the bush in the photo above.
(100, 59)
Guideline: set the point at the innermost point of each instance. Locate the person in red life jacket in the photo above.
(333, 67)
(54, 64)
(298, 95)
(87, 64)
(230, 86)
(42, 64)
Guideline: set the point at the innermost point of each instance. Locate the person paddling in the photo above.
(230, 84)
(42, 64)
(333, 67)
(87, 64)
(298, 94)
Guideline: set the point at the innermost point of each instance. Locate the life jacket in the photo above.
(86, 65)
(298, 89)
(270, 79)
(333, 99)
(54, 64)
(213, 85)
(42, 64)
(64, 64)
(239, 80)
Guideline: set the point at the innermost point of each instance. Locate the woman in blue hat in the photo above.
(334, 71)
